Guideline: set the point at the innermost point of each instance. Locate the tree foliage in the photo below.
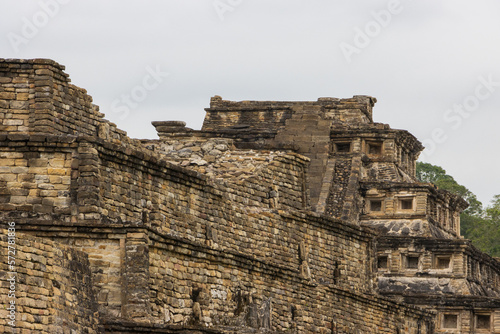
(437, 175)
(480, 225)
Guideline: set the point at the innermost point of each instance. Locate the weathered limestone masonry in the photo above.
(302, 217)
(53, 288)
(302, 126)
(222, 241)
(364, 173)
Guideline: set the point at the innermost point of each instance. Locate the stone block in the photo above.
(7, 96)
(19, 104)
(58, 171)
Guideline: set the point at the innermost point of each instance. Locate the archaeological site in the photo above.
(275, 217)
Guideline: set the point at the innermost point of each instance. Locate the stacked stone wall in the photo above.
(53, 287)
(470, 272)
(339, 186)
(184, 205)
(135, 182)
(344, 200)
(105, 255)
(432, 212)
(36, 175)
(383, 171)
(270, 117)
(205, 214)
(229, 289)
(16, 95)
(36, 96)
(197, 235)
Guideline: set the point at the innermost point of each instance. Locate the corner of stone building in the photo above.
(49, 285)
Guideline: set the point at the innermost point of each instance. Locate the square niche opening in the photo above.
(343, 147)
(375, 148)
(412, 262)
(450, 320)
(406, 203)
(443, 262)
(376, 205)
(382, 262)
(483, 321)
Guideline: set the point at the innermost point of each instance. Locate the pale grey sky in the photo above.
(432, 65)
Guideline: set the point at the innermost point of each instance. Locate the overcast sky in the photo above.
(432, 65)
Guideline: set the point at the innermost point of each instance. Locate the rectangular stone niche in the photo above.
(442, 261)
(450, 321)
(382, 262)
(483, 321)
(412, 261)
(376, 205)
(374, 148)
(343, 147)
(406, 203)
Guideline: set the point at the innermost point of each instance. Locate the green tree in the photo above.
(490, 230)
(481, 226)
(437, 175)
(493, 211)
